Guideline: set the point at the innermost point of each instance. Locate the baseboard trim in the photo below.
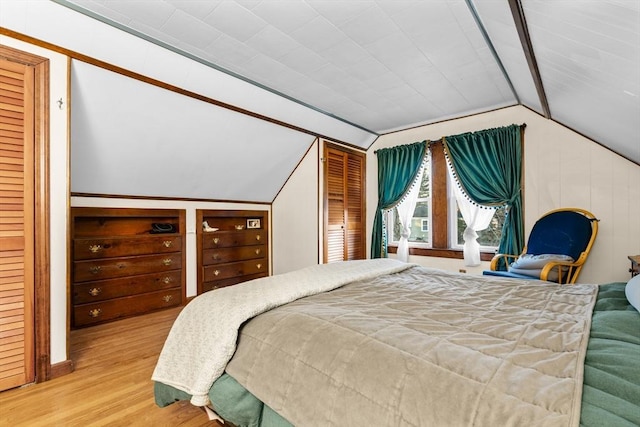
(61, 369)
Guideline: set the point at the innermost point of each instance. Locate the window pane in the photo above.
(420, 223)
(420, 229)
(489, 237)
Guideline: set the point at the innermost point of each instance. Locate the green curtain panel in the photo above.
(397, 169)
(488, 166)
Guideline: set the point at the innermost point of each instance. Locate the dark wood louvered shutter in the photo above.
(344, 188)
(17, 210)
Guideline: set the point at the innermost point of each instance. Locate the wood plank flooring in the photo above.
(111, 384)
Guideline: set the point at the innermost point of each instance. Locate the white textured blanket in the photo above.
(203, 337)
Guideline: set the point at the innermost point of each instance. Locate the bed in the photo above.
(380, 342)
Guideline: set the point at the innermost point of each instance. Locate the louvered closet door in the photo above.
(344, 204)
(16, 225)
(335, 203)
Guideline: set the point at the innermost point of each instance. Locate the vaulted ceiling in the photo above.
(384, 65)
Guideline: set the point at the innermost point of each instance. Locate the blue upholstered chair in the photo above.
(558, 246)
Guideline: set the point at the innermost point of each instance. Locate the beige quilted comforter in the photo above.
(203, 337)
(422, 348)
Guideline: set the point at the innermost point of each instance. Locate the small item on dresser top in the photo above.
(207, 228)
(161, 227)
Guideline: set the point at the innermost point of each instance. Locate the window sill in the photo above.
(440, 253)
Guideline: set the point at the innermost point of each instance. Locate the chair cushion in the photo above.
(632, 291)
(532, 265)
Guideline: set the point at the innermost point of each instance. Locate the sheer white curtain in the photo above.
(476, 217)
(405, 213)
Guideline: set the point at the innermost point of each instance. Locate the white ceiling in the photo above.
(384, 65)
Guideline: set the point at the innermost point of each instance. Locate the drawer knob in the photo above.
(167, 243)
(167, 298)
(258, 266)
(167, 280)
(216, 272)
(94, 292)
(257, 237)
(166, 261)
(258, 251)
(95, 269)
(215, 257)
(95, 312)
(215, 240)
(239, 227)
(95, 248)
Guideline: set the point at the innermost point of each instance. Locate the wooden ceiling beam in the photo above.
(523, 32)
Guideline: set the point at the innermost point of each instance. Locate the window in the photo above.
(437, 222)
(489, 238)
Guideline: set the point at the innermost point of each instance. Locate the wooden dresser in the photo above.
(234, 250)
(120, 267)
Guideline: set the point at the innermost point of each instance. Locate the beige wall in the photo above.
(562, 169)
(296, 211)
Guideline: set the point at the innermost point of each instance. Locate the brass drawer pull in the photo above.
(216, 272)
(257, 237)
(167, 298)
(258, 251)
(166, 261)
(239, 227)
(215, 257)
(95, 269)
(94, 292)
(167, 280)
(167, 243)
(259, 266)
(95, 312)
(95, 248)
(215, 240)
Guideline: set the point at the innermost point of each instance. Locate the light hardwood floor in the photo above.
(111, 384)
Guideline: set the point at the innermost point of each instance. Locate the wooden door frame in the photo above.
(41, 309)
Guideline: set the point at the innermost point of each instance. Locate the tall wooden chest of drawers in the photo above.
(234, 250)
(121, 267)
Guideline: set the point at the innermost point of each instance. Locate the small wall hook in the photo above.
(60, 103)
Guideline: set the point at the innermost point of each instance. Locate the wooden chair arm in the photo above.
(559, 264)
(497, 257)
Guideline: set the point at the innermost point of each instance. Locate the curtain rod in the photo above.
(429, 141)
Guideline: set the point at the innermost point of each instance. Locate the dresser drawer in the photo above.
(88, 314)
(225, 239)
(241, 253)
(125, 266)
(210, 286)
(99, 290)
(235, 269)
(124, 246)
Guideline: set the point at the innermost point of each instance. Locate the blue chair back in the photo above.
(564, 233)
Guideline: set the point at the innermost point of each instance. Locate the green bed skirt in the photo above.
(611, 393)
